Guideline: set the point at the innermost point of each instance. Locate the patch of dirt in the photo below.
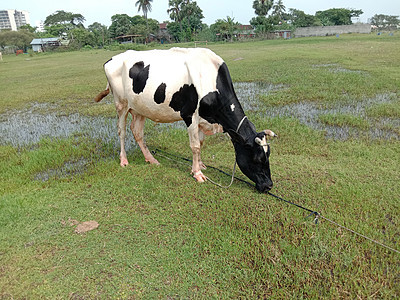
(86, 226)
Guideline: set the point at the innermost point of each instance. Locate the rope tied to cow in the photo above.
(314, 213)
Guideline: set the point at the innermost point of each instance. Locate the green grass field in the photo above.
(161, 234)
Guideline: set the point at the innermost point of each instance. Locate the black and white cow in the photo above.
(192, 85)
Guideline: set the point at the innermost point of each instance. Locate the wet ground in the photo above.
(21, 128)
(27, 127)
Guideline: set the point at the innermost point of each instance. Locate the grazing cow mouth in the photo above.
(264, 187)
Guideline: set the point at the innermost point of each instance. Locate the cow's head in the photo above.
(252, 156)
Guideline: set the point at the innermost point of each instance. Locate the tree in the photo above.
(188, 15)
(61, 22)
(262, 7)
(262, 24)
(145, 7)
(174, 11)
(225, 28)
(120, 25)
(337, 16)
(143, 27)
(28, 27)
(279, 10)
(192, 15)
(100, 33)
(385, 22)
(63, 17)
(81, 37)
(20, 39)
(299, 18)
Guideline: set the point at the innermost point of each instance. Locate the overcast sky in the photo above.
(242, 11)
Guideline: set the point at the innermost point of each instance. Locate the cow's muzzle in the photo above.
(264, 187)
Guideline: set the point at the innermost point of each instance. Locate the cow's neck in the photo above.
(236, 122)
(223, 107)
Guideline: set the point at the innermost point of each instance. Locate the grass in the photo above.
(344, 120)
(161, 235)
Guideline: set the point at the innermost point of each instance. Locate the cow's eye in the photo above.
(259, 159)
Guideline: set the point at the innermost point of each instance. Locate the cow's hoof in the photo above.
(153, 161)
(124, 162)
(199, 176)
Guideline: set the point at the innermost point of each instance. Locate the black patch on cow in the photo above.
(185, 101)
(208, 107)
(215, 107)
(159, 95)
(139, 75)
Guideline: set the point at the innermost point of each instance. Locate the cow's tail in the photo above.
(103, 93)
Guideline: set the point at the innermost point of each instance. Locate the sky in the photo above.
(241, 10)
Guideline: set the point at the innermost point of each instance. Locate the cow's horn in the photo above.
(259, 142)
(270, 133)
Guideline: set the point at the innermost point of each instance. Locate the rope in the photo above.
(312, 212)
(359, 234)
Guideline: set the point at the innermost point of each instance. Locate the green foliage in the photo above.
(385, 22)
(63, 17)
(262, 7)
(100, 33)
(121, 24)
(186, 14)
(337, 16)
(299, 18)
(225, 28)
(80, 37)
(20, 39)
(144, 6)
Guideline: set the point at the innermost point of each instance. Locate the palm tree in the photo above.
(175, 11)
(145, 7)
(279, 9)
(261, 7)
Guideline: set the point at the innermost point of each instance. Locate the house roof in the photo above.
(163, 25)
(245, 27)
(43, 41)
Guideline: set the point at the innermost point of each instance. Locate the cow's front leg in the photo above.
(196, 167)
(137, 127)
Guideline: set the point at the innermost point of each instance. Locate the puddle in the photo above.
(27, 127)
(70, 168)
(248, 93)
(308, 113)
(336, 68)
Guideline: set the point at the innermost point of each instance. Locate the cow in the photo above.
(193, 85)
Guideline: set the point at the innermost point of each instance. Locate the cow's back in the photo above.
(155, 83)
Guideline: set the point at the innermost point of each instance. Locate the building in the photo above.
(286, 34)
(245, 31)
(39, 26)
(12, 19)
(41, 45)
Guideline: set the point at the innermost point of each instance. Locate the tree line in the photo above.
(185, 24)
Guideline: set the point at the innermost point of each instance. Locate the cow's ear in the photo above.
(236, 138)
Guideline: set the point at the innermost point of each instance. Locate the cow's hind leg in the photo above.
(201, 139)
(137, 127)
(195, 145)
(122, 111)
